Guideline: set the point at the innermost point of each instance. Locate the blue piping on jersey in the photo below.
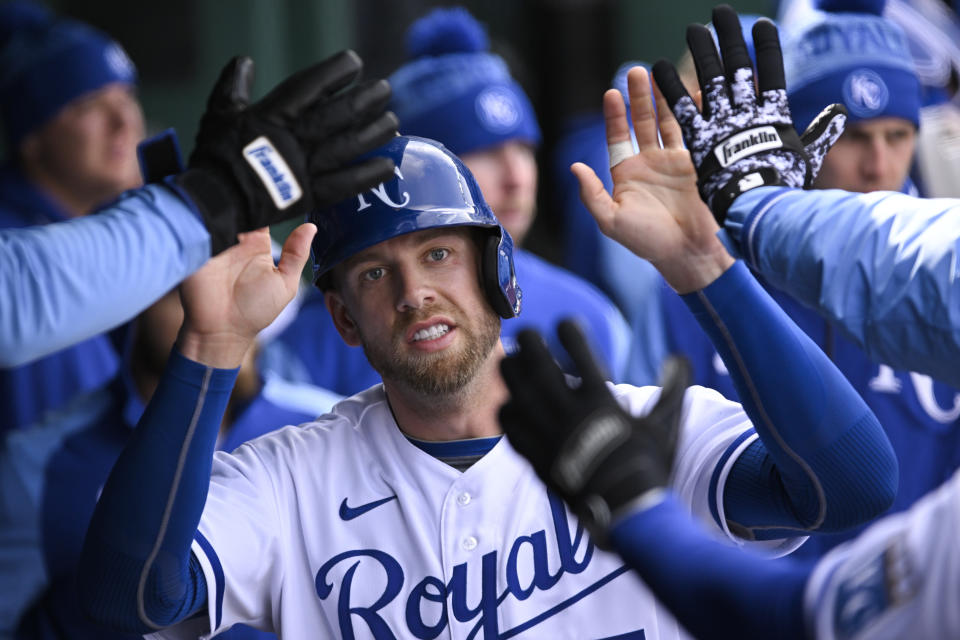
(715, 476)
(214, 560)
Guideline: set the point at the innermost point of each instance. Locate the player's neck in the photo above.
(471, 413)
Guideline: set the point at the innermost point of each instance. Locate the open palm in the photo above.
(655, 209)
(238, 293)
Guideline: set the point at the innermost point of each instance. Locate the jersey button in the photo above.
(463, 499)
(469, 543)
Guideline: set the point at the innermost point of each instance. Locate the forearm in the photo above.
(136, 571)
(714, 590)
(824, 462)
(68, 281)
(882, 266)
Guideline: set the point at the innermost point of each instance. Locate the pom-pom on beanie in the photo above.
(455, 91)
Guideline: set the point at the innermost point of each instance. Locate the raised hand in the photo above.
(578, 438)
(655, 209)
(294, 150)
(740, 139)
(237, 293)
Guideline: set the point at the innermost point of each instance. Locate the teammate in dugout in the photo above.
(832, 59)
(896, 579)
(71, 124)
(79, 277)
(403, 512)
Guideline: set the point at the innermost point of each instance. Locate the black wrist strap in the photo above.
(217, 204)
(741, 183)
(160, 157)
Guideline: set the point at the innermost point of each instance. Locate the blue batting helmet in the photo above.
(432, 188)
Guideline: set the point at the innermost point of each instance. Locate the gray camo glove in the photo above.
(743, 140)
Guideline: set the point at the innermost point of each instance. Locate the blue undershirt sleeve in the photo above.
(714, 590)
(137, 573)
(823, 462)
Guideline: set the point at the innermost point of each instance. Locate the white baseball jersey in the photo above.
(899, 579)
(343, 528)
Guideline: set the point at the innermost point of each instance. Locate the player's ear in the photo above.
(341, 317)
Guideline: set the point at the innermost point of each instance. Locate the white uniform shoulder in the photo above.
(898, 579)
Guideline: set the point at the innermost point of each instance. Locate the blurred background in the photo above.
(563, 52)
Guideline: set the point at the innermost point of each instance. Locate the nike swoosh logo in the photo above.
(349, 513)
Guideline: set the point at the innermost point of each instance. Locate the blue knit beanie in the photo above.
(47, 62)
(455, 91)
(846, 52)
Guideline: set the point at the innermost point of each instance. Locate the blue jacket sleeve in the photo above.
(822, 462)
(136, 572)
(883, 266)
(72, 280)
(714, 590)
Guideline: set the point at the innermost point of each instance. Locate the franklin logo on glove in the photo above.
(273, 171)
(744, 136)
(747, 143)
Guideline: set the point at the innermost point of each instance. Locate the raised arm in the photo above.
(881, 266)
(68, 281)
(71, 280)
(138, 572)
(833, 464)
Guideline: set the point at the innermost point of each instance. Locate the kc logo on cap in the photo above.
(865, 93)
(497, 109)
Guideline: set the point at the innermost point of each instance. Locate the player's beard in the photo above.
(441, 373)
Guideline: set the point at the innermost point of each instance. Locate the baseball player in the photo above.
(403, 513)
(893, 581)
(174, 227)
(921, 415)
(454, 90)
(72, 123)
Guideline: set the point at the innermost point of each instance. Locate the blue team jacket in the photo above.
(28, 390)
(882, 266)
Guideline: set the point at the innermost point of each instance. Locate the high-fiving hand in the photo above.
(744, 137)
(237, 293)
(655, 209)
(260, 163)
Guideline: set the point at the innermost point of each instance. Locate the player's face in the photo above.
(415, 304)
(90, 147)
(507, 176)
(873, 155)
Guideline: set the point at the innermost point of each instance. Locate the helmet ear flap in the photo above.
(490, 275)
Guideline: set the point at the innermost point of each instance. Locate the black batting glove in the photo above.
(256, 165)
(581, 442)
(743, 140)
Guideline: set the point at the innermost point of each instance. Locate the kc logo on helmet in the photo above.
(273, 171)
(381, 192)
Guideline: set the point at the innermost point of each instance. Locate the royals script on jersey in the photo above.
(342, 528)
